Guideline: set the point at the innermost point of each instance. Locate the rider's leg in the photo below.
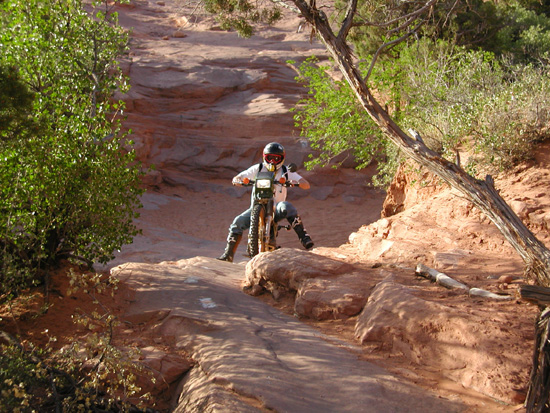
(239, 224)
(233, 241)
(288, 211)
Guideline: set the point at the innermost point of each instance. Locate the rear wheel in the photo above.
(259, 231)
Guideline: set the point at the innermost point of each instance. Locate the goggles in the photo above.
(273, 158)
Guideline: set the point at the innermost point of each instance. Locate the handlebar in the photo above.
(287, 184)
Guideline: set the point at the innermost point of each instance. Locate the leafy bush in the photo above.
(88, 374)
(70, 183)
(242, 15)
(458, 99)
(472, 101)
(335, 124)
(523, 34)
(472, 79)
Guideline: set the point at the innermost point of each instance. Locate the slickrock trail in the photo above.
(250, 357)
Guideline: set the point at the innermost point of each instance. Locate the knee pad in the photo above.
(286, 210)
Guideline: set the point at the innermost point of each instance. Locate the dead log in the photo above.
(448, 282)
(479, 292)
(439, 278)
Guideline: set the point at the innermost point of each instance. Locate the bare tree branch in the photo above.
(348, 20)
(388, 44)
(409, 17)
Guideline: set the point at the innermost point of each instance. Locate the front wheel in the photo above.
(258, 238)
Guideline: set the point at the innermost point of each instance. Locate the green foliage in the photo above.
(524, 35)
(333, 121)
(459, 99)
(469, 100)
(16, 104)
(520, 29)
(88, 374)
(242, 15)
(19, 373)
(70, 184)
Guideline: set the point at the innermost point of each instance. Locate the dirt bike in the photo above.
(262, 235)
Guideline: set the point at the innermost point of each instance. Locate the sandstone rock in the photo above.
(167, 368)
(507, 279)
(289, 268)
(152, 178)
(325, 288)
(323, 299)
(520, 208)
(422, 330)
(200, 393)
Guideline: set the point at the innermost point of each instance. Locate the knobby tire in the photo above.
(256, 242)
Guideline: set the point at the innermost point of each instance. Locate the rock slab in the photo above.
(250, 357)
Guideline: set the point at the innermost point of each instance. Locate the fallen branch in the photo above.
(439, 278)
(478, 292)
(448, 282)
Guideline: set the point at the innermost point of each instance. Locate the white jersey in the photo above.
(280, 190)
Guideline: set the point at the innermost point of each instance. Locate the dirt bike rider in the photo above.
(273, 160)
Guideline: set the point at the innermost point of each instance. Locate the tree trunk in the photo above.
(482, 193)
(539, 384)
(535, 294)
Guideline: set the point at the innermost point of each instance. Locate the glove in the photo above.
(238, 182)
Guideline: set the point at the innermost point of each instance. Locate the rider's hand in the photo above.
(238, 182)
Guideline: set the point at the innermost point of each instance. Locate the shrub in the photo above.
(87, 374)
(70, 183)
(334, 123)
(472, 101)
(458, 99)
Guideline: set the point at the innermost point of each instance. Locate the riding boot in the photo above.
(232, 243)
(304, 237)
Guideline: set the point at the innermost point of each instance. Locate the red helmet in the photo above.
(274, 154)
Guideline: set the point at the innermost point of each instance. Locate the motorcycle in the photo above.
(262, 236)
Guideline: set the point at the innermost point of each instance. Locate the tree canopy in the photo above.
(70, 184)
(70, 189)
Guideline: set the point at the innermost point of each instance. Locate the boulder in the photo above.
(457, 343)
(325, 288)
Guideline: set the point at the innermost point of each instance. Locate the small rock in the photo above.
(506, 279)
(179, 34)
(520, 208)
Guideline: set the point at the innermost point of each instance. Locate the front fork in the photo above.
(270, 229)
